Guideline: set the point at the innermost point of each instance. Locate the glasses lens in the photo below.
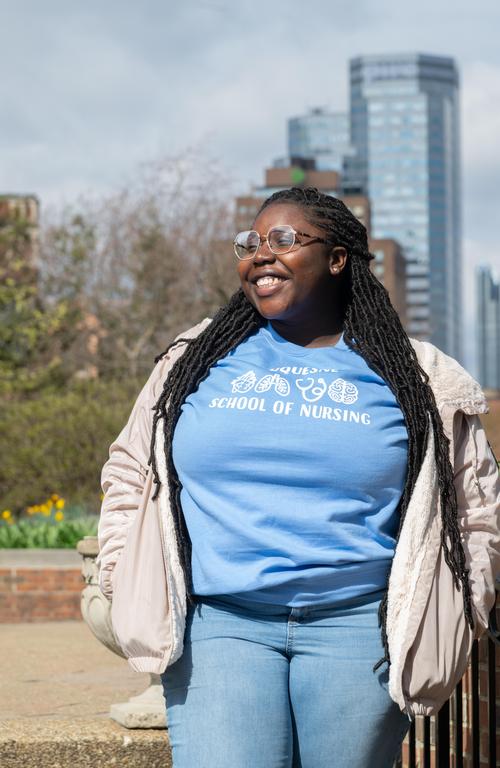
(246, 243)
(281, 239)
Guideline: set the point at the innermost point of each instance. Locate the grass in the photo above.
(50, 525)
(35, 534)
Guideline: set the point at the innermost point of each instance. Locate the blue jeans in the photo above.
(267, 686)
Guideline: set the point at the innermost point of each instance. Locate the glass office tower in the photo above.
(405, 129)
(322, 136)
(488, 328)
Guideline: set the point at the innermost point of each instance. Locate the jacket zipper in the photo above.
(167, 576)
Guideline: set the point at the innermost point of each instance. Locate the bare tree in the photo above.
(142, 264)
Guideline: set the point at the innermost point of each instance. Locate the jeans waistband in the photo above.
(238, 601)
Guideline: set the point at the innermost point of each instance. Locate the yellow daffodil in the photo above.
(6, 514)
(49, 503)
(59, 516)
(54, 497)
(60, 504)
(44, 509)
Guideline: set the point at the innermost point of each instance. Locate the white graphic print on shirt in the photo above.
(310, 389)
(292, 462)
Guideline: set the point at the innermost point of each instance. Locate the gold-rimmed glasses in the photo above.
(280, 239)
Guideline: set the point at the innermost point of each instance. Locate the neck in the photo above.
(317, 334)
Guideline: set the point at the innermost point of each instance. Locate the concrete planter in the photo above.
(148, 709)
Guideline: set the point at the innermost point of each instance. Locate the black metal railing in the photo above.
(463, 734)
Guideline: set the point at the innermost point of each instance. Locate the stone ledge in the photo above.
(80, 743)
(40, 558)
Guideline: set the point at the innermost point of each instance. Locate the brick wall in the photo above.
(40, 590)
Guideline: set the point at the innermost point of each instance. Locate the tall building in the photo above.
(389, 267)
(405, 129)
(488, 328)
(301, 174)
(322, 136)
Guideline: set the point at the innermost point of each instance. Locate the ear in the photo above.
(337, 260)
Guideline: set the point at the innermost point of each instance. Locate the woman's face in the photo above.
(307, 275)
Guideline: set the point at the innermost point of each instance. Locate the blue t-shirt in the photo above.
(292, 462)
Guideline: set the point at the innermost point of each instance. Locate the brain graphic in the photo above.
(342, 391)
(244, 383)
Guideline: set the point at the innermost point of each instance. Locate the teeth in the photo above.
(269, 280)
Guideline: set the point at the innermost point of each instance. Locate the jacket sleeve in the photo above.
(123, 478)
(477, 484)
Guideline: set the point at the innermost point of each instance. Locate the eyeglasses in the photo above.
(280, 239)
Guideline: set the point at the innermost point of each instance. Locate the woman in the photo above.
(304, 491)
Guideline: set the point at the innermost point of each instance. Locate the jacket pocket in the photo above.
(140, 605)
(438, 658)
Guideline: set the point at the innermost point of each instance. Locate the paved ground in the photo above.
(57, 684)
(59, 669)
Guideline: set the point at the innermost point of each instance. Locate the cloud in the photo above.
(481, 152)
(91, 90)
(96, 88)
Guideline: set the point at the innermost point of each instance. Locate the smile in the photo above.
(266, 286)
(268, 280)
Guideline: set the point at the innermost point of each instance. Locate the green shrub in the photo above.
(58, 442)
(27, 534)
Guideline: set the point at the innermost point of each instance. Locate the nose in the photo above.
(263, 252)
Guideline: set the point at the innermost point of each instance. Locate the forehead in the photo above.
(281, 213)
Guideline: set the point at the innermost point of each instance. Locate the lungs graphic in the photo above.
(244, 383)
(281, 385)
(342, 391)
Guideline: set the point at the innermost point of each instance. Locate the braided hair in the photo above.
(373, 329)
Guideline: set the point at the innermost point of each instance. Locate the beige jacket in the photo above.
(429, 639)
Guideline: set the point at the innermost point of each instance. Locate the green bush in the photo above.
(27, 534)
(58, 442)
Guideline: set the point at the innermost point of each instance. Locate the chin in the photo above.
(270, 312)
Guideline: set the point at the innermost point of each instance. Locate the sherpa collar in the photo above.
(451, 383)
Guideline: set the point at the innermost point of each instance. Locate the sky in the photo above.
(89, 91)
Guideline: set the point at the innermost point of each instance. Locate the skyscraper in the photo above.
(321, 136)
(488, 328)
(405, 129)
